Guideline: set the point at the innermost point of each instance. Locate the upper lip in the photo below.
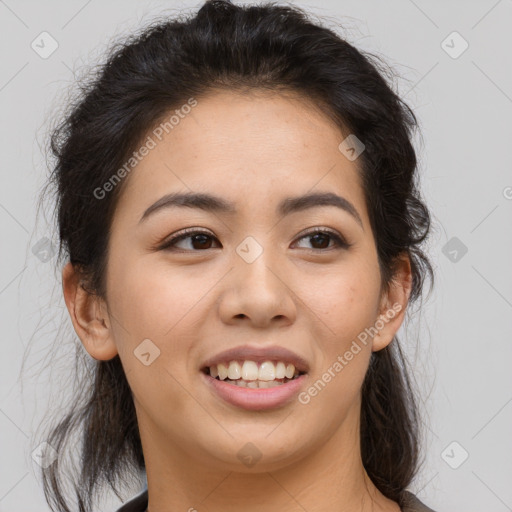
(258, 354)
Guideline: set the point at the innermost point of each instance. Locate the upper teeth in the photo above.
(249, 370)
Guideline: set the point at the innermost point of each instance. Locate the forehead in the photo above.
(252, 149)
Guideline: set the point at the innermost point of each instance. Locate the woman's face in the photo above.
(258, 277)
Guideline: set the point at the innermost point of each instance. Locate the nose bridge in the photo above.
(255, 262)
(256, 289)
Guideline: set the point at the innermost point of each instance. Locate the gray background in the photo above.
(460, 346)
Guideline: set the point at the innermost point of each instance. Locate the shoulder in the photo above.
(413, 504)
(138, 503)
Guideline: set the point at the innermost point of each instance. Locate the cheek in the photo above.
(150, 299)
(156, 302)
(144, 306)
(346, 299)
(346, 305)
(148, 303)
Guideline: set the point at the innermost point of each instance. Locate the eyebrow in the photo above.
(288, 205)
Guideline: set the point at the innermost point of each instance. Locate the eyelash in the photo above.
(340, 242)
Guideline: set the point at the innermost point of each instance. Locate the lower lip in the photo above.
(255, 399)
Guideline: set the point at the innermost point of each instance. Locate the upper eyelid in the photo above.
(194, 230)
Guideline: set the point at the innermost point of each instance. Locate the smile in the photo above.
(250, 386)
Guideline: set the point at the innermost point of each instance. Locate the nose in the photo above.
(257, 293)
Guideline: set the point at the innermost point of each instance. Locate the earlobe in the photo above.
(393, 305)
(90, 321)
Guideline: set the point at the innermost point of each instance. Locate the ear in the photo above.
(393, 304)
(88, 315)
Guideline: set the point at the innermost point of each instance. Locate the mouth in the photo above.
(252, 374)
(254, 377)
(254, 394)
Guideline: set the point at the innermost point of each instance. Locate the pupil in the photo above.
(325, 237)
(201, 240)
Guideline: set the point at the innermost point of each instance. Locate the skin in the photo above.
(254, 150)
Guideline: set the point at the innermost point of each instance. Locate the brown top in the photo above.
(139, 503)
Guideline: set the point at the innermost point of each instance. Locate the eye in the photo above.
(321, 237)
(199, 239)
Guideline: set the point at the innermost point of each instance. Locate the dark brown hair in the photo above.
(268, 46)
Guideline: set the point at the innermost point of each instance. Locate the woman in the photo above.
(236, 194)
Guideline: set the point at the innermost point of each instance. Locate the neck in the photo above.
(326, 477)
